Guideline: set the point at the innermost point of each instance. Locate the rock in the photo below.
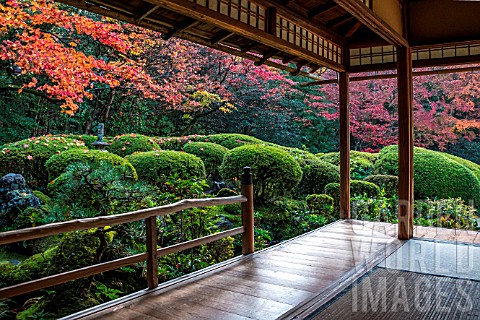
(224, 224)
(15, 195)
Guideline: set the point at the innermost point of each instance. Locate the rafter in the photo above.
(337, 22)
(318, 10)
(220, 36)
(298, 68)
(353, 29)
(267, 56)
(145, 12)
(181, 27)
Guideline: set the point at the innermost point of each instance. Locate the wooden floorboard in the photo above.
(264, 285)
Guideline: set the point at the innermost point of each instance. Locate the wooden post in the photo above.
(248, 238)
(152, 259)
(405, 143)
(344, 87)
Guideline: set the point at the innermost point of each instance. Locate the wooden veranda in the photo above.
(348, 36)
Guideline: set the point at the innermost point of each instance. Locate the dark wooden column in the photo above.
(405, 143)
(344, 87)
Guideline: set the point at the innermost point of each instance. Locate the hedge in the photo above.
(156, 166)
(275, 172)
(28, 157)
(211, 154)
(472, 166)
(58, 163)
(387, 183)
(316, 175)
(357, 188)
(230, 140)
(176, 143)
(361, 163)
(127, 144)
(320, 204)
(435, 175)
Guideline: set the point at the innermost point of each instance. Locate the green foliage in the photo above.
(316, 175)
(378, 208)
(320, 204)
(225, 192)
(475, 168)
(301, 156)
(44, 199)
(361, 163)
(357, 188)
(231, 140)
(176, 143)
(285, 219)
(28, 157)
(436, 175)
(127, 144)
(88, 190)
(58, 163)
(156, 166)
(211, 154)
(445, 213)
(275, 172)
(385, 182)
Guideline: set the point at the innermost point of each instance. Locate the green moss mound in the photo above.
(130, 143)
(316, 175)
(211, 154)
(58, 163)
(275, 172)
(28, 157)
(361, 163)
(387, 183)
(231, 140)
(435, 175)
(156, 166)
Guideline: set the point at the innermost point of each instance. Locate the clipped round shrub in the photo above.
(316, 175)
(28, 157)
(211, 154)
(176, 143)
(58, 163)
(387, 183)
(472, 166)
(357, 188)
(301, 156)
(361, 163)
(320, 204)
(231, 140)
(435, 175)
(156, 166)
(127, 144)
(275, 172)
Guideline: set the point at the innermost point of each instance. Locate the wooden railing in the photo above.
(152, 254)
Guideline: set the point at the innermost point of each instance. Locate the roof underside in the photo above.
(305, 35)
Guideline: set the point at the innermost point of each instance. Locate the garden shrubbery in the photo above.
(275, 172)
(387, 183)
(357, 188)
(231, 140)
(211, 154)
(58, 163)
(156, 166)
(361, 163)
(316, 175)
(176, 143)
(127, 144)
(28, 157)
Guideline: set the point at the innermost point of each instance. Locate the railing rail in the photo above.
(152, 254)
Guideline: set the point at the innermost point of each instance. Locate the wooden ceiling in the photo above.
(300, 36)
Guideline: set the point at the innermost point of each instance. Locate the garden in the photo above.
(56, 178)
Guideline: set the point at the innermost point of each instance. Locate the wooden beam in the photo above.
(405, 143)
(181, 27)
(353, 29)
(344, 89)
(372, 21)
(298, 68)
(318, 10)
(337, 22)
(271, 20)
(152, 258)
(249, 46)
(220, 36)
(266, 56)
(207, 15)
(145, 13)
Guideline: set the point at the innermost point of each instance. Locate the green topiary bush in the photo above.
(316, 175)
(57, 164)
(28, 157)
(361, 163)
(275, 172)
(156, 166)
(211, 154)
(130, 143)
(435, 175)
(231, 140)
(320, 204)
(177, 143)
(472, 166)
(357, 188)
(385, 182)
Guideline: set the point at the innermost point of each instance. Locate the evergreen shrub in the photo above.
(211, 154)
(127, 144)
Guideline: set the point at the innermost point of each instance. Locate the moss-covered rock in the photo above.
(275, 172)
(156, 166)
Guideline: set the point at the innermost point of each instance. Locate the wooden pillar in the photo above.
(405, 143)
(152, 258)
(344, 87)
(248, 236)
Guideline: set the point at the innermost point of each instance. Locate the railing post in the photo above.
(152, 259)
(248, 238)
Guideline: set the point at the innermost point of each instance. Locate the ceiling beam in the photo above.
(372, 21)
(207, 15)
(298, 68)
(220, 36)
(266, 56)
(337, 22)
(179, 28)
(318, 10)
(353, 29)
(145, 12)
